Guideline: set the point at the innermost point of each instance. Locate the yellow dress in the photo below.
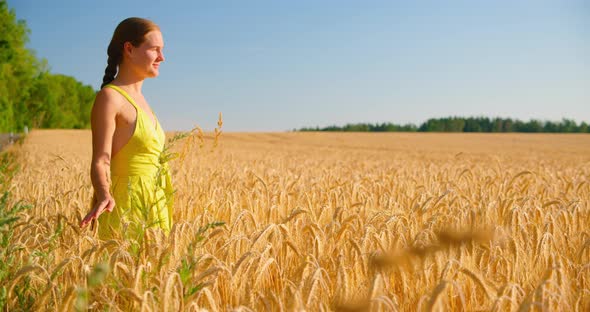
(140, 182)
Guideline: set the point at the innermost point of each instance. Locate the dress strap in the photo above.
(123, 93)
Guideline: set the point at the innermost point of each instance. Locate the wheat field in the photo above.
(316, 222)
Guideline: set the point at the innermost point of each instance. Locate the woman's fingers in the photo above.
(87, 219)
(94, 213)
(111, 205)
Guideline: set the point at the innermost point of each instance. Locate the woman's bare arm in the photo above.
(103, 122)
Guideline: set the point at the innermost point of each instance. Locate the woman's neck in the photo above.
(129, 80)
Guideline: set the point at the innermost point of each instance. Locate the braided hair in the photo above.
(131, 30)
(111, 70)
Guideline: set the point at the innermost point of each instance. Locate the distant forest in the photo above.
(29, 94)
(470, 124)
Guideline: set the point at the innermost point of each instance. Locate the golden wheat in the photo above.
(316, 221)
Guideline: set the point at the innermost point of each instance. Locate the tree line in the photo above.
(470, 124)
(30, 95)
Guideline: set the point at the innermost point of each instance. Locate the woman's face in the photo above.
(147, 57)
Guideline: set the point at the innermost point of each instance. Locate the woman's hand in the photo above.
(106, 203)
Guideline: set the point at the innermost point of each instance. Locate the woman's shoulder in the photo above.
(108, 99)
(107, 93)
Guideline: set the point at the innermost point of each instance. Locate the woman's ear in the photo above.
(127, 48)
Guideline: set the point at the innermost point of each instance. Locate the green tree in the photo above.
(29, 94)
(18, 66)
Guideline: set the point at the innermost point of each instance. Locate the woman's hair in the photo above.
(131, 30)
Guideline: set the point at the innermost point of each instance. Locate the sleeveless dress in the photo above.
(140, 182)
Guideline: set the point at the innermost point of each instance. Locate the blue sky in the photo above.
(279, 65)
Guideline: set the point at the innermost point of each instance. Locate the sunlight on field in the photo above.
(319, 221)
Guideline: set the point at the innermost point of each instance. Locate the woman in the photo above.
(132, 189)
